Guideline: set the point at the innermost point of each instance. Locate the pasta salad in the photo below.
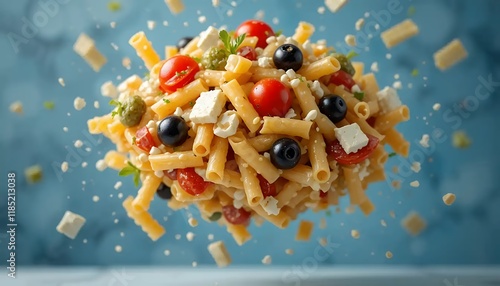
(249, 125)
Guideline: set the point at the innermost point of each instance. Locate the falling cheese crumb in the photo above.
(61, 81)
(415, 184)
(415, 167)
(388, 255)
(64, 167)
(335, 5)
(151, 25)
(449, 199)
(79, 103)
(16, 107)
(118, 248)
(267, 259)
(190, 236)
(289, 251)
(350, 40)
(359, 24)
(355, 234)
(436, 106)
(192, 222)
(425, 141)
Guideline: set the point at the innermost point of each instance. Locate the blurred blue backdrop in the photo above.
(467, 232)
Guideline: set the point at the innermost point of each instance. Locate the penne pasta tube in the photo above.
(285, 126)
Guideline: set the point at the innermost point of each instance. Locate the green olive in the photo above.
(345, 63)
(133, 110)
(214, 59)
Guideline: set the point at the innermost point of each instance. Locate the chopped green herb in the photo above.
(131, 170)
(231, 45)
(359, 95)
(351, 55)
(301, 79)
(49, 105)
(181, 73)
(461, 140)
(414, 72)
(133, 140)
(411, 11)
(392, 154)
(146, 75)
(119, 108)
(33, 174)
(328, 213)
(166, 101)
(215, 216)
(191, 103)
(196, 59)
(114, 6)
(278, 33)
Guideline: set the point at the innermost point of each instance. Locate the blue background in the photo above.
(466, 233)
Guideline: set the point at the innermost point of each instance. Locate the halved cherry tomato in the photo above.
(255, 28)
(172, 175)
(191, 182)
(267, 188)
(236, 216)
(270, 97)
(342, 78)
(247, 52)
(144, 139)
(177, 72)
(338, 153)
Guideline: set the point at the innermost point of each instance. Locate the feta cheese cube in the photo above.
(70, 224)
(227, 124)
(351, 138)
(335, 5)
(265, 62)
(270, 205)
(79, 103)
(208, 107)
(208, 38)
(388, 99)
(109, 90)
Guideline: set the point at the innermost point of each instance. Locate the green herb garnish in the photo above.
(359, 95)
(328, 213)
(411, 11)
(231, 45)
(166, 101)
(351, 55)
(119, 108)
(414, 72)
(181, 73)
(131, 170)
(114, 6)
(133, 140)
(278, 33)
(191, 103)
(392, 154)
(49, 105)
(146, 75)
(215, 216)
(196, 59)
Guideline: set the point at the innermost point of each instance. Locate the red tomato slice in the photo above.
(191, 182)
(172, 175)
(342, 78)
(338, 153)
(236, 216)
(267, 188)
(247, 52)
(144, 139)
(255, 28)
(270, 97)
(177, 72)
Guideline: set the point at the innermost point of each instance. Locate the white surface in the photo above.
(262, 276)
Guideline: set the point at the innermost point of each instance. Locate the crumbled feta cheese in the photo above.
(65, 129)
(397, 85)
(192, 222)
(16, 107)
(449, 199)
(388, 99)
(118, 248)
(178, 111)
(239, 195)
(335, 5)
(202, 19)
(436, 106)
(158, 173)
(78, 144)
(215, 3)
(321, 10)
(70, 224)
(96, 104)
(311, 115)
(112, 25)
(374, 67)
(270, 40)
(355, 234)
(79, 103)
(208, 107)
(227, 124)
(363, 169)
(208, 38)
(359, 24)
(267, 259)
(295, 82)
(351, 138)
(61, 81)
(143, 157)
(415, 167)
(355, 88)
(290, 113)
(270, 205)
(84, 164)
(316, 89)
(190, 236)
(101, 165)
(289, 251)
(265, 62)
(238, 204)
(108, 89)
(425, 141)
(350, 40)
(118, 185)
(154, 151)
(151, 25)
(388, 56)
(415, 184)
(64, 167)
(151, 124)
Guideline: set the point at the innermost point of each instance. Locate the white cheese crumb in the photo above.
(154, 151)
(350, 40)
(151, 25)
(79, 103)
(436, 106)
(118, 248)
(359, 24)
(61, 81)
(192, 222)
(425, 141)
(84, 164)
(267, 259)
(108, 89)
(16, 107)
(449, 199)
(112, 25)
(215, 3)
(114, 46)
(335, 5)
(270, 205)
(397, 85)
(166, 252)
(178, 111)
(355, 88)
(70, 224)
(388, 56)
(415, 167)
(96, 104)
(65, 129)
(311, 115)
(259, 15)
(64, 167)
(351, 138)
(78, 144)
(374, 67)
(265, 62)
(101, 165)
(415, 184)
(190, 236)
(202, 19)
(295, 82)
(321, 10)
(143, 157)
(290, 113)
(355, 234)
(118, 185)
(95, 199)
(210, 237)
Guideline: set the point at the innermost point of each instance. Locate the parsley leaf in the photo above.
(146, 75)
(278, 33)
(196, 59)
(351, 55)
(166, 101)
(49, 105)
(414, 72)
(359, 95)
(328, 213)
(392, 154)
(119, 107)
(231, 45)
(215, 216)
(131, 170)
(191, 103)
(133, 140)
(114, 6)
(411, 11)
(181, 73)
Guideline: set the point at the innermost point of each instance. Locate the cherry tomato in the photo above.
(172, 175)
(267, 188)
(270, 97)
(338, 153)
(144, 139)
(236, 216)
(247, 52)
(371, 121)
(191, 182)
(177, 72)
(255, 28)
(342, 78)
